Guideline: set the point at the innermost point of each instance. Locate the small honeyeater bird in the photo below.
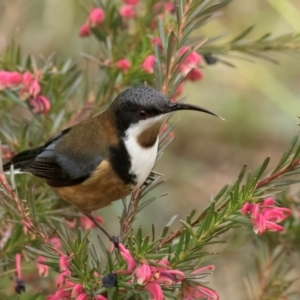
(107, 157)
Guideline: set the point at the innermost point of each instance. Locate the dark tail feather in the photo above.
(22, 159)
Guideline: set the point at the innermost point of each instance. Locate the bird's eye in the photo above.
(142, 114)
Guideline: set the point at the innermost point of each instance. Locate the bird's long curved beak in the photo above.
(185, 106)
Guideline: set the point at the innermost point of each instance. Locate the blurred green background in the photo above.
(259, 100)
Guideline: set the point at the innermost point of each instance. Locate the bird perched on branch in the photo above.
(107, 157)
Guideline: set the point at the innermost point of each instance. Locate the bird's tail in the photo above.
(22, 160)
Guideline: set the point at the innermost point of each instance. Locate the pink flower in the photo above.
(169, 277)
(246, 208)
(131, 264)
(27, 79)
(169, 6)
(84, 30)
(268, 202)
(40, 105)
(20, 287)
(43, 269)
(155, 291)
(200, 270)
(127, 11)
(18, 266)
(131, 2)
(259, 224)
(9, 79)
(142, 274)
(265, 215)
(77, 290)
(31, 87)
(82, 296)
(100, 297)
(34, 88)
(59, 295)
(193, 58)
(64, 263)
(191, 62)
(148, 64)
(195, 75)
(96, 17)
(198, 292)
(123, 64)
(61, 280)
(86, 223)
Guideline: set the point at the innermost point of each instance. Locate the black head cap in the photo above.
(144, 102)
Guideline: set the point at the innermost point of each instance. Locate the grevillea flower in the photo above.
(34, 88)
(131, 264)
(20, 287)
(265, 215)
(59, 295)
(148, 64)
(100, 297)
(82, 296)
(40, 105)
(64, 263)
(169, 6)
(84, 30)
(193, 290)
(190, 63)
(194, 75)
(123, 64)
(61, 279)
(18, 266)
(143, 274)
(86, 223)
(192, 59)
(43, 269)
(96, 17)
(154, 290)
(77, 290)
(10, 79)
(127, 11)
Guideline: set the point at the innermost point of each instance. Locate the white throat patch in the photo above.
(142, 159)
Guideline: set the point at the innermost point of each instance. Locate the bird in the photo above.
(107, 157)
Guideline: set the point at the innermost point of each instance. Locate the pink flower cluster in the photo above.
(152, 277)
(30, 89)
(95, 18)
(188, 67)
(127, 10)
(265, 215)
(66, 288)
(193, 291)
